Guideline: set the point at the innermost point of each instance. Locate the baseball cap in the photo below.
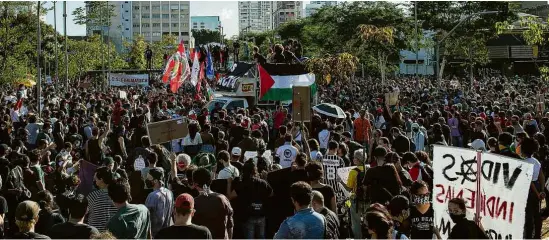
(236, 151)
(184, 201)
(156, 173)
(478, 144)
(27, 211)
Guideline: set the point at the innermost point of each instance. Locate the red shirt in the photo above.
(279, 119)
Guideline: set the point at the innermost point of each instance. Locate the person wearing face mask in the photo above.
(422, 214)
(159, 201)
(399, 207)
(418, 138)
(463, 228)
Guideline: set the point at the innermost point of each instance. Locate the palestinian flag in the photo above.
(277, 80)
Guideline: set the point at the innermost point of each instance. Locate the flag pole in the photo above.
(39, 51)
(66, 43)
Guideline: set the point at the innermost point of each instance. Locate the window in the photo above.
(201, 27)
(136, 33)
(175, 15)
(126, 11)
(127, 29)
(156, 24)
(127, 19)
(156, 8)
(165, 15)
(201, 23)
(165, 7)
(185, 34)
(147, 34)
(136, 8)
(235, 104)
(136, 25)
(146, 25)
(146, 8)
(174, 7)
(125, 2)
(174, 24)
(195, 27)
(165, 25)
(194, 23)
(156, 15)
(156, 34)
(146, 15)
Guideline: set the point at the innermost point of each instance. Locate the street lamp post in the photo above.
(450, 33)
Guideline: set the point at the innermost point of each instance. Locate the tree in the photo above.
(382, 40)
(205, 36)
(94, 14)
(330, 68)
(137, 53)
(168, 45)
(469, 39)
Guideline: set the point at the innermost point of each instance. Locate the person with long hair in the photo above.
(315, 173)
(47, 216)
(379, 223)
(252, 194)
(192, 143)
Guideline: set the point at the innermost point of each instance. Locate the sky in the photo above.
(226, 10)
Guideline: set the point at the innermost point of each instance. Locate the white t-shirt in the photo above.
(537, 167)
(316, 156)
(324, 138)
(228, 172)
(287, 154)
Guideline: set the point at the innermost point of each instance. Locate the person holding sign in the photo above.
(464, 228)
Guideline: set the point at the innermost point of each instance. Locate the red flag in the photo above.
(19, 104)
(173, 68)
(265, 81)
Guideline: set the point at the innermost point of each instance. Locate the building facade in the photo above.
(150, 19)
(314, 6)
(286, 11)
(255, 16)
(211, 23)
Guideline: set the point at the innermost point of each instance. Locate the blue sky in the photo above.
(227, 10)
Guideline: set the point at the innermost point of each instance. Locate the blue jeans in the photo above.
(356, 224)
(254, 228)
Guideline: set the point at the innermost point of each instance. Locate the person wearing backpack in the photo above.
(358, 195)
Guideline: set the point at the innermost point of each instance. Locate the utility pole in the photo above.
(38, 71)
(417, 39)
(56, 43)
(66, 43)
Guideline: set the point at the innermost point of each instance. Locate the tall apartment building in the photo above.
(255, 16)
(150, 19)
(314, 6)
(287, 11)
(211, 23)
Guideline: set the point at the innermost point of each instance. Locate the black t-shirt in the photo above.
(252, 196)
(467, 229)
(184, 232)
(46, 220)
(238, 165)
(71, 230)
(328, 193)
(29, 235)
(421, 224)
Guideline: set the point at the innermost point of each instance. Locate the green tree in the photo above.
(137, 53)
(168, 45)
(205, 36)
(380, 39)
(331, 68)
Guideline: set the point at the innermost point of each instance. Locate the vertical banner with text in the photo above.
(504, 186)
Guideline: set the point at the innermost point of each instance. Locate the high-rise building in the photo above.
(287, 11)
(255, 16)
(150, 19)
(314, 6)
(211, 23)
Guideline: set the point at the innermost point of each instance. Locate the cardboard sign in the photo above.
(165, 131)
(391, 98)
(301, 104)
(247, 87)
(122, 94)
(498, 192)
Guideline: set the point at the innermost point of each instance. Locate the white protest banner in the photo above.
(504, 185)
(119, 80)
(123, 94)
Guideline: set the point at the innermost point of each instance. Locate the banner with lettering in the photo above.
(119, 80)
(503, 184)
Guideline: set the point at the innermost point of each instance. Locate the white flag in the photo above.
(195, 70)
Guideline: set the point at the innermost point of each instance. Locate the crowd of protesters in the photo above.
(205, 185)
